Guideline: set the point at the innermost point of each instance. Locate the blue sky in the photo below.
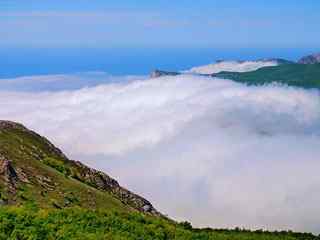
(159, 24)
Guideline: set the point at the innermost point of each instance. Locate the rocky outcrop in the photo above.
(159, 73)
(11, 175)
(8, 174)
(102, 181)
(310, 59)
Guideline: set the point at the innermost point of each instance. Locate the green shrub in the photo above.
(57, 164)
(78, 223)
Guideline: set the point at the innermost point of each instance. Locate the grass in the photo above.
(49, 184)
(30, 222)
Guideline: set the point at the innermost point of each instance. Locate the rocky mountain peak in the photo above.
(310, 59)
(158, 73)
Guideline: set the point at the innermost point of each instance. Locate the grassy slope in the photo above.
(25, 152)
(300, 75)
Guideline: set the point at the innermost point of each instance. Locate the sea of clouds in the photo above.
(233, 66)
(214, 152)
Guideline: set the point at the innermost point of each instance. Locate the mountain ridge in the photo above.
(304, 73)
(310, 59)
(30, 161)
(237, 65)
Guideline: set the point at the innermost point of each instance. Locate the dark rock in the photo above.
(104, 182)
(8, 174)
(159, 73)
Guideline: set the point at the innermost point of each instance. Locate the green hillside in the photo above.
(300, 75)
(44, 195)
(33, 170)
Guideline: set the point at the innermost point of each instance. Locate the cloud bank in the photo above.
(211, 151)
(233, 66)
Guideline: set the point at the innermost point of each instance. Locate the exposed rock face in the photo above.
(311, 59)
(104, 182)
(8, 174)
(159, 73)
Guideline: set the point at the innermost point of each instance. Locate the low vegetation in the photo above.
(30, 222)
(299, 75)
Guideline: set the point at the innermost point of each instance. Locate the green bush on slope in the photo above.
(58, 165)
(77, 223)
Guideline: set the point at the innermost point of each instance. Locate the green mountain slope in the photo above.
(44, 195)
(300, 75)
(33, 170)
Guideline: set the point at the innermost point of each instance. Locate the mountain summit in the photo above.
(310, 59)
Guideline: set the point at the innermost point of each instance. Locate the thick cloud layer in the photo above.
(211, 151)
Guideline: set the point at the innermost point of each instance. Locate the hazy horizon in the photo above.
(125, 61)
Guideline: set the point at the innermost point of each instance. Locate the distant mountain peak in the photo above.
(221, 65)
(310, 59)
(158, 73)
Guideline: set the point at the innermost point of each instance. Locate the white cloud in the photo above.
(232, 66)
(212, 151)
